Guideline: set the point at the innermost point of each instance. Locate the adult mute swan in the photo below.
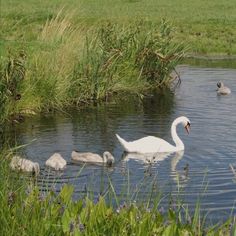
(90, 157)
(56, 161)
(25, 165)
(222, 89)
(151, 144)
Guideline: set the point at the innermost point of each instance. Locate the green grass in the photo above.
(25, 209)
(60, 53)
(73, 55)
(208, 26)
(70, 65)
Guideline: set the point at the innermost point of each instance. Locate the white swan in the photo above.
(151, 144)
(222, 89)
(56, 161)
(21, 164)
(90, 157)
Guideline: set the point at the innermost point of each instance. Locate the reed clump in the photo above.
(71, 64)
(136, 58)
(12, 74)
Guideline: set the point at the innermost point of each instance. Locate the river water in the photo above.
(201, 173)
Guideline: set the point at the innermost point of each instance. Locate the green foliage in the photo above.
(209, 27)
(12, 73)
(133, 58)
(72, 65)
(159, 55)
(26, 209)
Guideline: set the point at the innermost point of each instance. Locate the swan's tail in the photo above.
(122, 142)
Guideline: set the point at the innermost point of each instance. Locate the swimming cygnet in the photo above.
(222, 90)
(21, 164)
(56, 161)
(90, 157)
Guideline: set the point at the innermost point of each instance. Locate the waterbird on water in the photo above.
(89, 157)
(151, 144)
(25, 165)
(222, 89)
(56, 161)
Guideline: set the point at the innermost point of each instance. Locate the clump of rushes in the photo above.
(106, 65)
(129, 58)
(72, 65)
(12, 73)
(158, 55)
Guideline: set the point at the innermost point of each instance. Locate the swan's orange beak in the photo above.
(187, 127)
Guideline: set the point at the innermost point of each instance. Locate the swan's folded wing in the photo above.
(149, 144)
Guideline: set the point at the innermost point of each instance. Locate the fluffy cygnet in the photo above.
(90, 157)
(21, 164)
(222, 89)
(56, 161)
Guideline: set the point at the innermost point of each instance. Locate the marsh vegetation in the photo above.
(59, 55)
(74, 65)
(27, 209)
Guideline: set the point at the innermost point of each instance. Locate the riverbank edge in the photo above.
(26, 209)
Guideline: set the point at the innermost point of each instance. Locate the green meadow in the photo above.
(208, 26)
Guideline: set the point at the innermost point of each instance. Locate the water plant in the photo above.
(158, 55)
(131, 58)
(12, 73)
(27, 209)
(73, 65)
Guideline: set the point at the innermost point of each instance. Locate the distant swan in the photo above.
(222, 89)
(90, 157)
(21, 164)
(56, 161)
(151, 144)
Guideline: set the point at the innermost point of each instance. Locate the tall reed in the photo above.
(72, 64)
(12, 74)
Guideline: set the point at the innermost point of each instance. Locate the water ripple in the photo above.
(202, 171)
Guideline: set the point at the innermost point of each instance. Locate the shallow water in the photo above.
(202, 171)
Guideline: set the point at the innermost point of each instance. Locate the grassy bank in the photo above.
(28, 211)
(62, 53)
(69, 65)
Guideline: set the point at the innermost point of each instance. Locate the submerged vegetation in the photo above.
(27, 209)
(74, 65)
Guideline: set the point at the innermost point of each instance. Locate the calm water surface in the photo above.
(202, 171)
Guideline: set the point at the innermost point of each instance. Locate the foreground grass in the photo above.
(28, 211)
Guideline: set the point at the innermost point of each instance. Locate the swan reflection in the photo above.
(152, 159)
(147, 158)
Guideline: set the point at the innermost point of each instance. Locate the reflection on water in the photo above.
(202, 170)
(212, 62)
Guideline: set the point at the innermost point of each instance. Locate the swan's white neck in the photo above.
(178, 142)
